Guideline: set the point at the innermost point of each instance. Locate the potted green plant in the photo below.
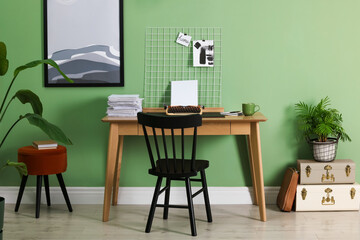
(322, 128)
(35, 118)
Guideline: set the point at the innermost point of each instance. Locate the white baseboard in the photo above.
(139, 195)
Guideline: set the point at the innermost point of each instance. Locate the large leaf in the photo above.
(2, 50)
(4, 66)
(38, 62)
(19, 166)
(50, 129)
(27, 96)
(4, 63)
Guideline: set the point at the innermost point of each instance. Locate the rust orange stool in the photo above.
(43, 163)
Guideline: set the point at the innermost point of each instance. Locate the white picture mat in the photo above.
(72, 24)
(184, 93)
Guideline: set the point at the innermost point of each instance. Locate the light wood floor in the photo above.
(128, 222)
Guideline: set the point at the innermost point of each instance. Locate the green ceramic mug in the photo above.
(250, 108)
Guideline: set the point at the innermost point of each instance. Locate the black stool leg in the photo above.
(47, 190)
(153, 204)
(206, 196)
(21, 191)
(167, 198)
(38, 195)
(190, 206)
(63, 189)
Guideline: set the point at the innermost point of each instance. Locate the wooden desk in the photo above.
(230, 125)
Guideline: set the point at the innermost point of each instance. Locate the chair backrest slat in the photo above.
(173, 147)
(149, 147)
(156, 143)
(182, 149)
(170, 122)
(193, 155)
(165, 150)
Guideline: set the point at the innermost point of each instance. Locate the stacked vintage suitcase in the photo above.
(327, 186)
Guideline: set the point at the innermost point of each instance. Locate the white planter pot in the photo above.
(324, 151)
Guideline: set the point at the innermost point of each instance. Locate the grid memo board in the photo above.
(166, 61)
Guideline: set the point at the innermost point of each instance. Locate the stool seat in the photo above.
(45, 161)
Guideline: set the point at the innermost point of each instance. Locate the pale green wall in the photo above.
(275, 53)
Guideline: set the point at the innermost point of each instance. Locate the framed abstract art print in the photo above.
(85, 38)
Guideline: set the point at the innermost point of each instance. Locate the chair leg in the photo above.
(47, 190)
(191, 206)
(167, 198)
(38, 195)
(153, 205)
(21, 191)
(63, 189)
(206, 196)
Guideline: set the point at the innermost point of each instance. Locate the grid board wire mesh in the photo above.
(166, 61)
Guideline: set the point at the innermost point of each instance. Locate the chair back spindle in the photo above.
(156, 142)
(193, 154)
(173, 147)
(149, 148)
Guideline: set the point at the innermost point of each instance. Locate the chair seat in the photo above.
(177, 171)
(43, 162)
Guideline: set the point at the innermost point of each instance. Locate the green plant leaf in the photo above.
(20, 167)
(321, 121)
(38, 62)
(2, 50)
(4, 63)
(27, 96)
(4, 66)
(50, 129)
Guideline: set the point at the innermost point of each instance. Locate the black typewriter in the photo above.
(183, 110)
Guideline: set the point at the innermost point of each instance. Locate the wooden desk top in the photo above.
(257, 117)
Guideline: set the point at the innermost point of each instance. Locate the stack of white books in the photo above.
(124, 105)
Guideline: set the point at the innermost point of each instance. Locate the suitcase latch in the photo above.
(348, 170)
(303, 193)
(328, 177)
(328, 200)
(352, 193)
(308, 170)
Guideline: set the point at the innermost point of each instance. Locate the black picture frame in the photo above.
(95, 73)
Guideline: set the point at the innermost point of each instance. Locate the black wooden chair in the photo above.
(175, 167)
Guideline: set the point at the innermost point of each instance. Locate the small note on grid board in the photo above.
(184, 93)
(183, 39)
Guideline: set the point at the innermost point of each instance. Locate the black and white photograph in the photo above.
(203, 53)
(85, 38)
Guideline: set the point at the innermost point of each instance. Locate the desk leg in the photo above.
(117, 172)
(252, 170)
(257, 161)
(110, 168)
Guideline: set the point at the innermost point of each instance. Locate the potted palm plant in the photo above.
(34, 118)
(322, 128)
